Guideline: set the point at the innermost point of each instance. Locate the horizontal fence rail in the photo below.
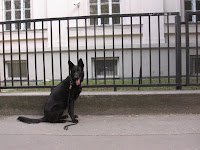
(125, 50)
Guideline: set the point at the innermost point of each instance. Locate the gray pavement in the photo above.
(125, 132)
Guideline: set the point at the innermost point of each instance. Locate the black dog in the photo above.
(63, 96)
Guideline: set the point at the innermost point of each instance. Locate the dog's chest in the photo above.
(74, 92)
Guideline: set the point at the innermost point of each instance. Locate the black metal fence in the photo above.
(126, 50)
(192, 48)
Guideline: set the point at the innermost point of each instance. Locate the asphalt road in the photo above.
(131, 132)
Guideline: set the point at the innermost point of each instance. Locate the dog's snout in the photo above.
(76, 76)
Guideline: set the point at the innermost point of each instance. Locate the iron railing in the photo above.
(192, 48)
(143, 50)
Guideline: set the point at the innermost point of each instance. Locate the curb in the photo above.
(107, 103)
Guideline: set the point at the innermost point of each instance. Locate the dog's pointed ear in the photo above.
(71, 65)
(80, 63)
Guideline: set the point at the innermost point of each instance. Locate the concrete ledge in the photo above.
(107, 103)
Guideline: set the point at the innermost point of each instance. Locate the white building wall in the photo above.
(66, 8)
(39, 9)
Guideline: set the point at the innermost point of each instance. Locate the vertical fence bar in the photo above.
(43, 52)
(113, 38)
(104, 51)
(168, 52)
(132, 75)
(11, 54)
(159, 47)
(27, 51)
(68, 41)
(150, 49)
(178, 52)
(60, 50)
(140, 74)
(52, 60)
(95, 51)
(4, 60)
(19, 48)
(77, 40)
(86, 47)
(122, 25)
(35, 55)
(187, 48)
(197, 53)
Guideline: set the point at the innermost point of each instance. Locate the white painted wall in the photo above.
(39, 9)
(66, 8)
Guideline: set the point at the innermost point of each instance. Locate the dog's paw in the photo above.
(75, 121)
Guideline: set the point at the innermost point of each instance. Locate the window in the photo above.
(193, 6)
(105, 7)
(16, 10)
(108, 67)
(16, 69)
(194, 65)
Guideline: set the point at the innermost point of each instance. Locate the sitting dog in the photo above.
(63, 96)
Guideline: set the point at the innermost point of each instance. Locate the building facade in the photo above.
(139, 42)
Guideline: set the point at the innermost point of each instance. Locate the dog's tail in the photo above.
(30, 121)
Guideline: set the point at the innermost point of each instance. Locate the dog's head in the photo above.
(76, 72)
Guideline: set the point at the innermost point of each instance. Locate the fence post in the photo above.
(187, 47)
(178, 52)
(115, 88)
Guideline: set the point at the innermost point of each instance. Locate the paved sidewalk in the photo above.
(125, 132)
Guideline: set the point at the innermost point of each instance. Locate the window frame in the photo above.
(107, 76)
(8, 70)
(23, 10)
(193, 9)
(110, 5)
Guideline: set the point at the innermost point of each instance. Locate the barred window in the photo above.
(105, 7)
(193, 6)
(109, 68)
(16, 10)
(14, 69)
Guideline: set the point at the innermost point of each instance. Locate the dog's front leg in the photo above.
(71, 111)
